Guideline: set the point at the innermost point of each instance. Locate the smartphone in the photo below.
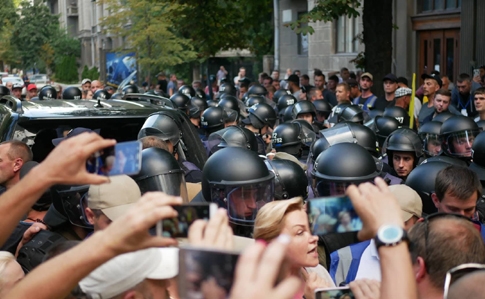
(476, 73)
(204, 272)
(123, 158)
(334, 214)
(187, 214)
(335, 293)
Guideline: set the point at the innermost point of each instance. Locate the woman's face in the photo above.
(345, 218)
(302, 250)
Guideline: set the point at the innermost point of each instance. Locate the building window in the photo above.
(428, 6)
(302, 39)
(347, 30)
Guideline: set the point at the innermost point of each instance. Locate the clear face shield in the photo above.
(244, 201)
(340, 133)
(172, 183)
(460, 144)
(323, 188)
(431, 144)
(74, 202)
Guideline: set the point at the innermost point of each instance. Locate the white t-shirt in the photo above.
(369, 266)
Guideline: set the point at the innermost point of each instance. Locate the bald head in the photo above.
(469, 286)
(96, 85)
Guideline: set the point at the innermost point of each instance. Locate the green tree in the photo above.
(377, 34)
(32, 31)
(8, 16)
(147, 28)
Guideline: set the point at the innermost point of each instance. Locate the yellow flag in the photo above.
(411, 103)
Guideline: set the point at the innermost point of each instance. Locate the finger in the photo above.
(92, 179)
(288, 288)
(155, 241)
(247, 264)
(272, 259)
(196, 231)
(92, 143)
(364, 287)
(356, 290)
(230, 240)
(223, 237)
(381, 184)
(214, 226)
(368, 190)
(375, 288)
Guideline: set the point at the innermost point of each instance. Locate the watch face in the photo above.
(390, 234)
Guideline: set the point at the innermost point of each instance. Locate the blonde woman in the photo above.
(289, 217)
(10, 272)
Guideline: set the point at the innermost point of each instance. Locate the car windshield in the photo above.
(38, 78)
(11, 79)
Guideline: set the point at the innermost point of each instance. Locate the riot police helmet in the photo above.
(279, 93)
(457, 135)
(163, 125)
(290, 179)
(384, 126)
(47, 93)
(101, 94)
(187, 90)
(399, 114)
(160, 171)
(481, 124)
(284, 101)
(254, 100)
(323, 107)
(130, 89)
(227, 88)
(261, 115)
(443, 116)
(257, 90)
(352, 113)
(403, 140)
(286, 138)
(303, 107)
(229, 102)
(181, 101)
(197, 106)
(236, 136)
(72, 93)
(478, 164)
(212, 119)
(4, 91)
(431, 138)
(116, 96)
(200, 94)
(238, 180)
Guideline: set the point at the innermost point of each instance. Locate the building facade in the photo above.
(442, 35)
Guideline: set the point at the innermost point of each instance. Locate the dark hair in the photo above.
(480, 90)
(243, 84)
(449, 245)
(263, 75)
(334, 78)
(403, 81)
(268, 78)
(154, 141)
(444, 92)
(305, 76)
(18, 149)
(344, 69)
(312, 92)
(353, 76)
(345, 85)
(463, 77)
(319, 74)
(459, 181)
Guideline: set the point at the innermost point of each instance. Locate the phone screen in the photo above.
(332, 215)
(123, 158)
(339, 293)
(187, 214)
(204, 273)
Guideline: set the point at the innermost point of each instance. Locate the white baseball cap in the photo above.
(125, 271)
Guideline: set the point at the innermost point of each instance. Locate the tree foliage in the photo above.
(147, 28)
(8, 15)
(67, 70)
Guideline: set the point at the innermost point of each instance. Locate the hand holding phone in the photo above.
(187, 214)
(334, 293)
(215, 233)
(123, 158)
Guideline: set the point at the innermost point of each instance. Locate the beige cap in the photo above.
(286, 156)
(114, 198)
(369, 75)
(409, 201)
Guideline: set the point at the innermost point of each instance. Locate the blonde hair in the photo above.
(5, 258)
(271, 217)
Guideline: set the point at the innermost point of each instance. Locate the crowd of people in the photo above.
(318, 187)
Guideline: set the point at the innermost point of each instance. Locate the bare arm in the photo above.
(58, 276)
(65, 165)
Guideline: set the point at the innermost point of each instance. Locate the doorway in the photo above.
(439, 51)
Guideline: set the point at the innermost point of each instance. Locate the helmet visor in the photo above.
(243, 202)
(460, 144)
(339, 134)
(171, 184)
(74, 201)
(307, 136)
(325, 188)
(279, 187)
(432, 144)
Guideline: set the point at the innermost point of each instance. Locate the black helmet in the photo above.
(200, 94)
(162, 125)
(384, 126)
(254, 100)
(445, 159)
(212, 103)
(68, 204)
(302, 107)
(307, 133)
(443, 116)
(257, 90)
(287, 114)
(262, 115)
(323, 107)
(430, 135)
(4, 91)
(481, 124)
(130, 89)
(116, 96)
(72, 93)
(352, 113)
(101, 94)
(284, 101)
(398, 113)
(227, 88)
(47, 93)
(290, 179)
(403, 140)
(340, 107)
(341, 165)
(212, 119)
(236, 136)
(478, 164)
(181, 101)
(422, 180)
(187, 90)
(237, 179)
(229, 102)
(286, 138)
(458, 133)
(197, 106)
(160, 171)
(279, 93)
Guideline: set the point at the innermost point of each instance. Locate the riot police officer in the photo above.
(235, 136)
(181, 101)
(260, 120)
(457, 136)
(290, 179)
(286, 138)
(430, 135)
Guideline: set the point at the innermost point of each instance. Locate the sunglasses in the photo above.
(457, 272)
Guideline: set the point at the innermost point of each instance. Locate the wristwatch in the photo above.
(390, 235)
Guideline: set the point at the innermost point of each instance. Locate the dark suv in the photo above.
(37, 123)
